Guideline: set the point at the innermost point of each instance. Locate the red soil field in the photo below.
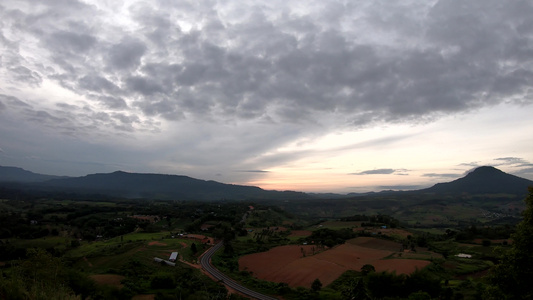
(287, 264)
(155, 243)
(302, 233)
(108, 279)
(143, 297)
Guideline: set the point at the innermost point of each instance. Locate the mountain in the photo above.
(14, 174)
(137, 185)
(483, 180)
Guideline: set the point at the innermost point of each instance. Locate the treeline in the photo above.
(482, 232)
(374, 220)
(329, 237)
(369, 284)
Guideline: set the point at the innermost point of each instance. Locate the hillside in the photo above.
(138, 185)
(483, 180)
(14, 174)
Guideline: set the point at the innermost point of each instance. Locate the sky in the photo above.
(314, 96)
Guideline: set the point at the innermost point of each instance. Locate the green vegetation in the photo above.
(58, 248)
(513, 276)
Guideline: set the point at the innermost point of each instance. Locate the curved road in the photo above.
(205, 261)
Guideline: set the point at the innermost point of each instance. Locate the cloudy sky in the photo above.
(338, 96)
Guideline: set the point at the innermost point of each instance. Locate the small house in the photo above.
(173, 256)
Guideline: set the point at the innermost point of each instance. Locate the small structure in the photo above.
(159, 260)
(463, 255)
(173, 256)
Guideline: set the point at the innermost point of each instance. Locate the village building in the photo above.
(173, 256)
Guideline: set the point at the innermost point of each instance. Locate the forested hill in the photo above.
(154, 186)
(14, 174)
(483, 180)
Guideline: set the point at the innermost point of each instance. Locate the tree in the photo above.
(368, 268)
(194, 250)
(316, 285)
(514, 275)
(356, 290)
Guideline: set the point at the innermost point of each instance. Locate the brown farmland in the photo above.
(288, 264)
(300, 233)
(108, 279)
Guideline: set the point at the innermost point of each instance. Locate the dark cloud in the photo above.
(473, 164)
(99, 84)
(511, 161)
(26, 75)
(113, 102)
(71, 42)
(13, 101)
(375, 172)
(253, 171)
(300, 66)
(442, 175)
(143, 85)
(526, 173)
(126, 54)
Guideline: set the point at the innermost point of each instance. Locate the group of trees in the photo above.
(373, 220)
(369, 284)
(43, 276)
(329, 237)
(512, 278)
(484, 232)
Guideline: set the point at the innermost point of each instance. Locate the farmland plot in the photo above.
(294, 266)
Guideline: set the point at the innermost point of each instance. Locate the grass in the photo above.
(144, 236)
(100, 257)
(467, 266)
(46, 243)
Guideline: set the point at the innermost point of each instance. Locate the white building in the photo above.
(173, 256)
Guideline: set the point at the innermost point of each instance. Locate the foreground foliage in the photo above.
(513, 277)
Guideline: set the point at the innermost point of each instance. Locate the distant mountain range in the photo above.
(137, 185)
(483, 180)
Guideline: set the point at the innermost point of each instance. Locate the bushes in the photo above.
(330, 237)
(377, 285)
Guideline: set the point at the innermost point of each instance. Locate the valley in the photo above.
(440, 245)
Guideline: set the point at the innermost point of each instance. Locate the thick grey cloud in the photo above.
(295, 67)
(98, 84)
(126, 54)
(68, 42)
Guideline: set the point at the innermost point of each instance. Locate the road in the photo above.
(205, 261)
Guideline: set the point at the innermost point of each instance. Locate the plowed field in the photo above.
(288, 264)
